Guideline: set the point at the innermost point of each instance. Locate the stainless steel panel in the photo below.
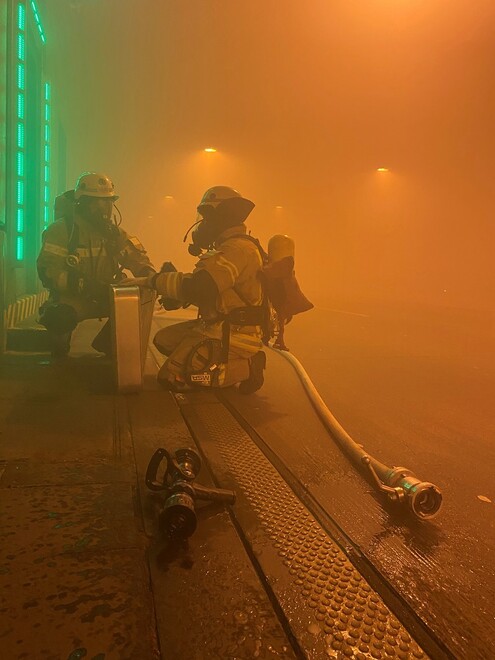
(131, 314)
(124, 306)
(147, 306)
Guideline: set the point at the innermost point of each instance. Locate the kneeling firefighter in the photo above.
(222, 346)
(83, 252)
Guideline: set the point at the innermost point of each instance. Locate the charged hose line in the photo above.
(421, 498)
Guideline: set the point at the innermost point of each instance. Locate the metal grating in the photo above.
(352, 618)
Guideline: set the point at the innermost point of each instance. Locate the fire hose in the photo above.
(422, 498)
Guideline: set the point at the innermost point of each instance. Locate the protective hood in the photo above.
(214, 220)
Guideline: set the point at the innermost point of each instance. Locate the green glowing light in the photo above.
(21, 47)
(19, 252)
(38, 21)
(20, 163)
(20, 76)
(46, 211)
(20, 135)
(20, 105)
(21, 17)
(20, 220)
(20, 193)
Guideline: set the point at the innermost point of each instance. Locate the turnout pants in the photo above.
(180, 341)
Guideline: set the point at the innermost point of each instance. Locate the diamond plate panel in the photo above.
(352, 618)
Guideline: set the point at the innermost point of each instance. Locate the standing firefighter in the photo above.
(83, 252)
(221, 347)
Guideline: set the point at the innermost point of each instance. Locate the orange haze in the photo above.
(303, 101)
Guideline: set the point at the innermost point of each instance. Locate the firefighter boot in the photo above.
(256, 378)
(59, 346)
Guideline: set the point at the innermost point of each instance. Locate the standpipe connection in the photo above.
(422, 498)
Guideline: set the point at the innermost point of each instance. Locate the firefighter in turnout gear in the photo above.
(82, 253)
(222, 346)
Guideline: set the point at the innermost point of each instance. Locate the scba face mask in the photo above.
(214, 220)
(206, 230)
(97, 211)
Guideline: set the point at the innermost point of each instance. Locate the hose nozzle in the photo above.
(423, 498)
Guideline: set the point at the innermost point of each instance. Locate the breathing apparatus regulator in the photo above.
(221, 207)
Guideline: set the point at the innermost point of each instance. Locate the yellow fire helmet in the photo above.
(92, 184)
(214, 196)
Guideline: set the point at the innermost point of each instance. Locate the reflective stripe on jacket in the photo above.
(234, 267)
(98, 256)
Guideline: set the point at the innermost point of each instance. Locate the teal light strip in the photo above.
(46, 151)
(20, 220)
(21, 47)
(21, 78)
(19, 252)
(20, 166)
(38, 21)
(20, 193)
(20, 105)
(21, 16)
(20, 135)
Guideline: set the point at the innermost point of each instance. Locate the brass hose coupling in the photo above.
(423, 498)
